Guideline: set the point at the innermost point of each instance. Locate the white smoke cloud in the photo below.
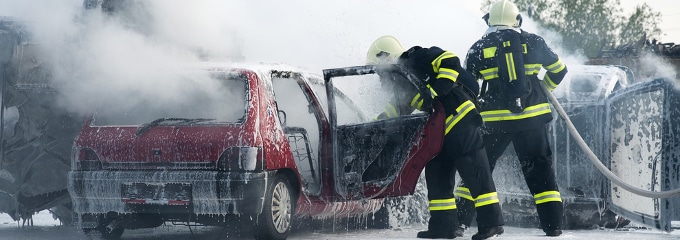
(554, 41)
(653, 67)
(129, 58)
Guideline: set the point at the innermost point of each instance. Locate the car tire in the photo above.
(275, 220)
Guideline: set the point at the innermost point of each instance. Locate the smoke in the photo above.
(653, 66)
(137, 55)
(554, 41)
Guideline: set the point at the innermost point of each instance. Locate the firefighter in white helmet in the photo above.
(508, 60)
(463, 150)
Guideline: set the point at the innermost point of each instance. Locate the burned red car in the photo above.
(269, 143)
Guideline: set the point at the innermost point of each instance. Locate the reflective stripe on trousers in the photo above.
(481, 200)
(547, 196)
(442, 204)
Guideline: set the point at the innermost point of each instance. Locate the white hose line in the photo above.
(593, 158)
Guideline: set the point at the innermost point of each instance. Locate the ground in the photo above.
(45, 227)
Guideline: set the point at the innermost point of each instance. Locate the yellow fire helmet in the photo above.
(385, 49)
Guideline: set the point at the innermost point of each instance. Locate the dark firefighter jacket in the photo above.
(443, 74)
(487, 62)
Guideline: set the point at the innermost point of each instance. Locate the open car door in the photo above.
(377, 158)
(644, 151)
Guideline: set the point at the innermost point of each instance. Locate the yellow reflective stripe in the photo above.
(420, 104)
(415, 100)
(437, 62)
(549, 83)
(442, 204)
(531, 69)
(463, 192)
(547, 196)
(510, 62)
(556, 67)
(505, 115)
(490, 73)
(461, 111)
(391, 111)
(432, 91)
(486, 199)
(489, 52)
(448, 73)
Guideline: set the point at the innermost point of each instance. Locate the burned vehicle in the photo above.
(628, 126)
(36, 134)
(269, 144)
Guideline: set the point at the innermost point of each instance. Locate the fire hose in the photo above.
(596, 161)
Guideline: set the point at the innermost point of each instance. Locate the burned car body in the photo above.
(36, 133)
(281, 150)
(644, 148)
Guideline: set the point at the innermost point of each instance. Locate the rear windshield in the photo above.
(204, 98)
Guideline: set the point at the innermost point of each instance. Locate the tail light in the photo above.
(242, 159)
(85, 159)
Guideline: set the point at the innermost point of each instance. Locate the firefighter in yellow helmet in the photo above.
(463, 150)
(508, 60)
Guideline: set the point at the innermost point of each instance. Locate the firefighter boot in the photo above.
(485, 233)
(550, 215)
(441, 225)
(489, 221)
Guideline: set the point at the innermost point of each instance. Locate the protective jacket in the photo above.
(447, 82)
(492, 59)
(487, 60)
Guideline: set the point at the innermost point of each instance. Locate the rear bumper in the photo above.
(212, 192)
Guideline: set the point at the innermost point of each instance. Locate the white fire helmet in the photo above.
(503, 13)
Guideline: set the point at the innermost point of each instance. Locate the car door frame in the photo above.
(424, 145)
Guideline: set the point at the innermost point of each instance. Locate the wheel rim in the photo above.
(281, 207)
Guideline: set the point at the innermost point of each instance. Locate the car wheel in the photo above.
(275, 220)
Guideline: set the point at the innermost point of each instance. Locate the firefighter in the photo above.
(463, 148)
(508, 60)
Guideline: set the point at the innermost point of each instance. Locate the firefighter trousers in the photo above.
(535, 158)
(472, 166)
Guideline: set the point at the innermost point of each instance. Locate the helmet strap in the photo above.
(486, 18)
